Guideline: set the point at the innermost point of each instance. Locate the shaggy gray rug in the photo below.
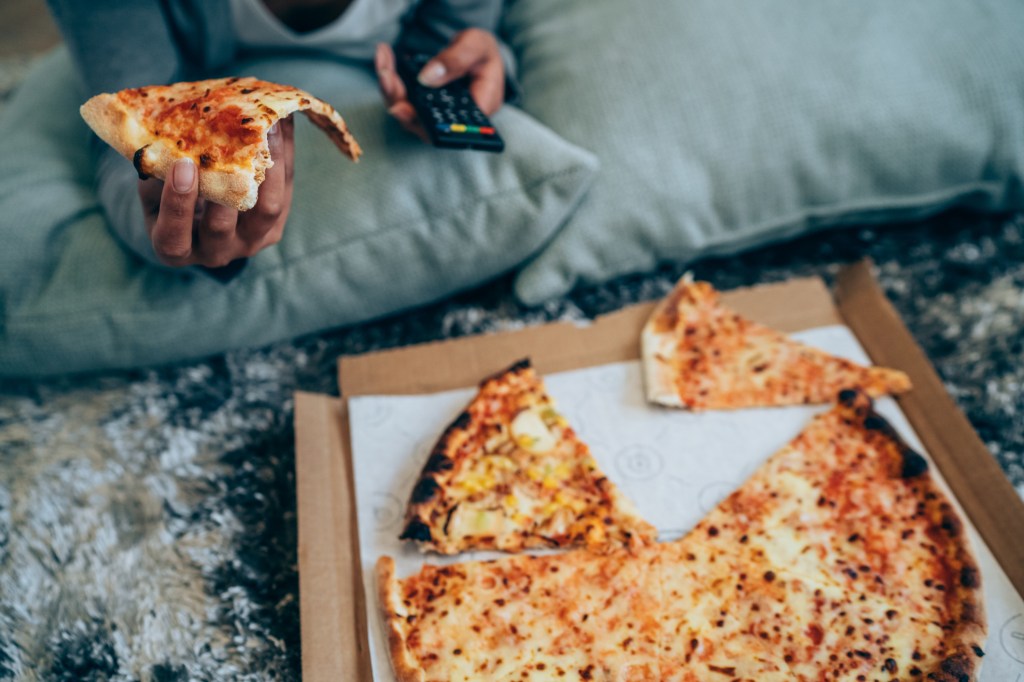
(147, 519)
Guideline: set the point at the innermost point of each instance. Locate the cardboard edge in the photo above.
(563, 345)
(977, 480)
(332, 602)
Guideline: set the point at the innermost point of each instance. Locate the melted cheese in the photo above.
(519, 477)
(826, 565)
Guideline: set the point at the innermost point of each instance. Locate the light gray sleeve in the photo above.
(117, 45)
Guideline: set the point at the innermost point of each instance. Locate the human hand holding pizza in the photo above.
(188, 230)
(473, 53)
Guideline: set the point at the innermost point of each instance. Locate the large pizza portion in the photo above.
(699, 355)
(510, 473)
(220, 124)
(840, 559)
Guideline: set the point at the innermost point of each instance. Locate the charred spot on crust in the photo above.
(448, 519)
(462, 421)
(969, 612)
(951, 524)
(246, 120)
(416, 530)
(424, 490)
(438, 462)
(958, 667)
(519, 366)
(969, 578)
(233, 80)
(205, 160)
(874, 422)
(913, 464)
(978, 651)
(137, 162)
(847, 396)
(245, 91)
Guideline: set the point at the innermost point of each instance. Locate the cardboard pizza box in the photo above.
(332, 602)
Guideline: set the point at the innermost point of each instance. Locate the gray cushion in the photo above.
(722, 125)
(406, 225)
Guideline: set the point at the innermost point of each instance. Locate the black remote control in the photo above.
(449, 114)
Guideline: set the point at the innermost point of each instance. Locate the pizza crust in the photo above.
(121, 120)
(656, 350)
(407, 668)
(967, 626)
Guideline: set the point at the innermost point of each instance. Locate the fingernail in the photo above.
(432, 73)
(183, 175)
(275, 129)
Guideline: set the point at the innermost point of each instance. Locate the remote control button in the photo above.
(486, 131)
(443, 127)
(458, 128)
(472, 129)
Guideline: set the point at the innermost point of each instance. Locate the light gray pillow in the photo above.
(406, 225)
(723, 124)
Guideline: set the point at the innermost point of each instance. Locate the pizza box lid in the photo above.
(332, 602)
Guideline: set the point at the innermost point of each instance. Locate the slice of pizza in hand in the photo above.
(699, 355)
(220, 124)
(839, 559)
(510, 474)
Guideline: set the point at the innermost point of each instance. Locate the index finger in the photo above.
(487, 85)
(391, 86)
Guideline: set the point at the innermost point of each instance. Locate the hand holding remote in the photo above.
(470, 66)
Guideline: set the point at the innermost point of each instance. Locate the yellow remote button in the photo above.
(458, 128)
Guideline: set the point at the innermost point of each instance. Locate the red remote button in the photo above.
(487, 131)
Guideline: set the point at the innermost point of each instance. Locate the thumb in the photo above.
(465, 53)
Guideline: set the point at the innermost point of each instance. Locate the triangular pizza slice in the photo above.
(699, 355)
(839, 559)
(510, 473)
(220, 124)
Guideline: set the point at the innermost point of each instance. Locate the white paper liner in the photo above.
(674, 465)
